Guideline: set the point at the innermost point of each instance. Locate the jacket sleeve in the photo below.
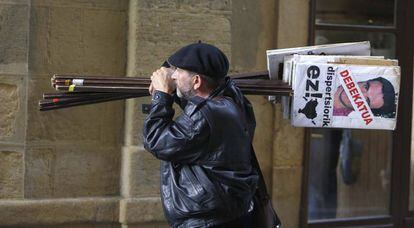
(180, 140)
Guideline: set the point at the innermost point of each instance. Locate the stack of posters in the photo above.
(275, 60)
(343, 91)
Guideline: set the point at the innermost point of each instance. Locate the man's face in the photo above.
(371, 90)
(183, 80)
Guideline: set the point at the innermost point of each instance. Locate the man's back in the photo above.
(214, 181)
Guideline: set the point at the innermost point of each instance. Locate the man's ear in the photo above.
(197, 82)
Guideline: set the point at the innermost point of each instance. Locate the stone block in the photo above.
(15, 2)
(86, 171)
(11, 174)
(96, 123)
(104, 42)
(287, 194)
(64, 44)
(253, 31)
(13, 109)
(56, 41)
(94, 4)
(14, 30)
(40, 164)
(59, 211)
(77, 225)
(141, 210)
(72, 171)
(147, 225)
(140, 173)
(263, 138)
(104, 24)
(288, 142)
(246, 19)
(10, 100)
(39, 40)
(134, 120)
(174, 30)
(286, 36)
(187, 5)
(73, 40)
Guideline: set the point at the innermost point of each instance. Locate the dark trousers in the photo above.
(243, 222)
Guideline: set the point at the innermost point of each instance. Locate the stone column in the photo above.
(292, 27)
(253, 32)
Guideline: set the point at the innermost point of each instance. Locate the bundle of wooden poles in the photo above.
(75, 90)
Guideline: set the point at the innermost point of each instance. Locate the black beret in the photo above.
(201, 58)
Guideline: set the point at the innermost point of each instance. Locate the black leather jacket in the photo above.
(206, 173)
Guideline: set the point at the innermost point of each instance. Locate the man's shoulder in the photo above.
(198, 107)
(194, 105)
(220, 108)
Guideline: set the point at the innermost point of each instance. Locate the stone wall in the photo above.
(86, 166)
(74, 152)
(14, 26)
(59, 166)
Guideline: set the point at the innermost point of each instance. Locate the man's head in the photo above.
(389, 107)
(379, 94)
(198, 69)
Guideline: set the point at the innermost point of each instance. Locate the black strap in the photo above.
(261, 186)
(261, 191)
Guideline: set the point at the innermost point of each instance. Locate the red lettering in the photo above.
(367, 121)
(353, 91)
(364, 108)
(356, 97)
(350, 85)
(365, 114)
(348, 80)
(344, 73)
(359, 104)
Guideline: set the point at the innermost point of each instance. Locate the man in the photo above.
(207, 178)
(379, 94)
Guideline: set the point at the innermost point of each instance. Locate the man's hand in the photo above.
(151, 89)
(161, 80)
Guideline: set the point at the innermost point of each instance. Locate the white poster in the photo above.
(345, 96)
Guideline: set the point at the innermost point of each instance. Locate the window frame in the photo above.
(400, 215)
